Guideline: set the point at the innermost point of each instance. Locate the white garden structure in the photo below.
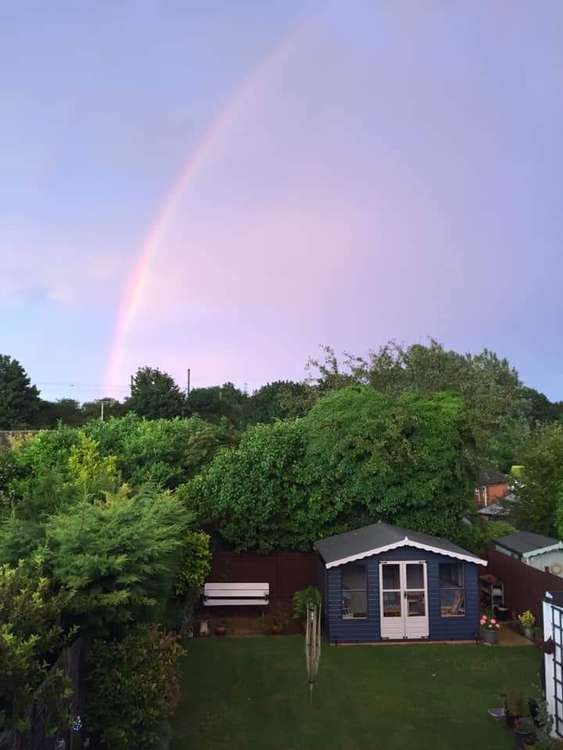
(553, 657)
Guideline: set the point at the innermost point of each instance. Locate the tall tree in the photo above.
(540, 482)
(218, 402)
(541, 409)
(155, 395)
(65, 410)
(19, 400)
(491, 389)
(281, 399)
(357, 456)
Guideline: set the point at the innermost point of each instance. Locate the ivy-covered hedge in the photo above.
(358, 456)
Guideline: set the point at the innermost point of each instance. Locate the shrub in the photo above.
(119, 557)
(196, 563)
(132, 686)
(309, 595)
(30, 641)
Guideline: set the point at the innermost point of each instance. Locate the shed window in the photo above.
(452, 593)
(354, 592)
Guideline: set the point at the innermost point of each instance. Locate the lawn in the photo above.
(249, 693)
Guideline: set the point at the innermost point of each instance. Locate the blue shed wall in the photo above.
(440, 628)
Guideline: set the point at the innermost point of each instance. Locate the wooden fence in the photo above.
(286, 572)
(524, 586)
(40, 735)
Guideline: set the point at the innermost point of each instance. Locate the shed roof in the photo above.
(528, 544)
(554, 597)
(381, 537)
(496, 509)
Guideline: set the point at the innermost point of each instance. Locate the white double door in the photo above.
(403, 588)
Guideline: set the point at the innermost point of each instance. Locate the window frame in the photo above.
(354, 591)
(452, 588)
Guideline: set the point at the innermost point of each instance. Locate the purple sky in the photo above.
(389, 170)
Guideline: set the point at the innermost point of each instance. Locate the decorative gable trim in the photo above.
(406, 542)
(542, 550)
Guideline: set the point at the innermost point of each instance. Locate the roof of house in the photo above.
(528, 544)
(381, 537)
(491, 476)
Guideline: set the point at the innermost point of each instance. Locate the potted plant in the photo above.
(489, 629)
(301, 598)
(524, 730)
(527, 622)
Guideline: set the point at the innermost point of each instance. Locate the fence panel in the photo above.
(524, 586)
(286, 572)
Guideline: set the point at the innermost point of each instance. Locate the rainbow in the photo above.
(133, 293)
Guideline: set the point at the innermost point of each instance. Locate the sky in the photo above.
(227, 186)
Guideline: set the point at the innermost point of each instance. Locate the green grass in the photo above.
(250, 694)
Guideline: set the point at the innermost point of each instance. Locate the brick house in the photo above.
(492, 487)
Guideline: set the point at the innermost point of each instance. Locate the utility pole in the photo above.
(189, 373)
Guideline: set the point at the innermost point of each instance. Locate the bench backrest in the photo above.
(235, 593)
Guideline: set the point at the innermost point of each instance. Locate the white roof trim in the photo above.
(406, 542)
(542, 550)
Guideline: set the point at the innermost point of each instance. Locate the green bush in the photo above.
(31, 639)
(120, 558)
(132, 686)
(357, 457)
(309, 595)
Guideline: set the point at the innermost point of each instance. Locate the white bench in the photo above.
(235, 594)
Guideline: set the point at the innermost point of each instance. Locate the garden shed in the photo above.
(382, 582)
(541, 552)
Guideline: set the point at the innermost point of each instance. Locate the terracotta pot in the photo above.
(220, 630)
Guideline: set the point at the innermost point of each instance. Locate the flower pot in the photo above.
(524, 737)
(489, 636)
(529, 633)
(276, 630)
(220, 630)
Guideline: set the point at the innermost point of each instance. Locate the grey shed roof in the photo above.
(526, 542)
(554, 597)
(377, 537)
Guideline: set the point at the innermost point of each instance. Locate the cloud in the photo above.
(59, 276)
